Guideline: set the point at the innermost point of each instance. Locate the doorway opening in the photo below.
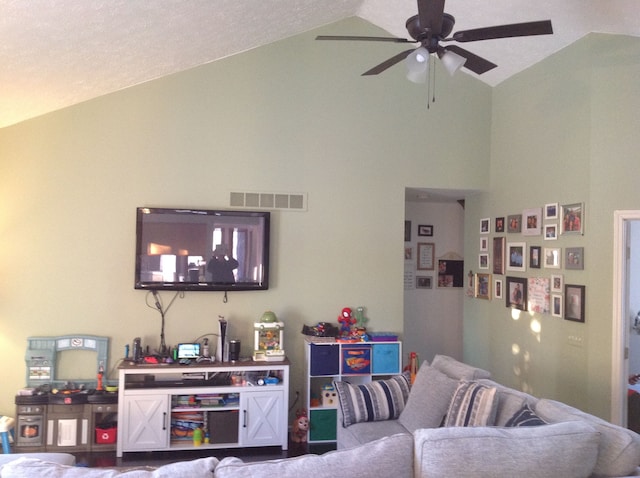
(626, 333)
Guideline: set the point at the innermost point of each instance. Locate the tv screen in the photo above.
(198, 249)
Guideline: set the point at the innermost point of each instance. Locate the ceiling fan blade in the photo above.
(430, 14)
(389, 63)
(357, 38)
(475, 63)
(504, 31)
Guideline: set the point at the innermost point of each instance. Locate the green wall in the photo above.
(565, 130)
(293, 116)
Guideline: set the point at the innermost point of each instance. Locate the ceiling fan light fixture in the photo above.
(452, 62)
(418, 65)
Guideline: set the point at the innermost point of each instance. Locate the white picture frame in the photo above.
(552, 257)
(516, 256)
(532, 222)
(557, 283)
(497, 289)
(550, 232)
(551, 211)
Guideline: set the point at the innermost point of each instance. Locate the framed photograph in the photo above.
(516, 253)
(557, 283)
(498, 255)
(572, 219)
(484, 244)
(574, 300)
(497, 288)
(407, 231)
(485, 226)
(551, 211)
(535, 257)
(556, 305)
(499, 224)
(425, 256)
(516, 293)
(531, 222)
(550, 232)
(408, 253)
(450, 273)
(514, 223)
(424, 282)
(483, 261)
(552, 257)
(425, 230)
(574, 258)
(483, 286)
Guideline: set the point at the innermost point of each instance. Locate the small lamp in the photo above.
(418, 65)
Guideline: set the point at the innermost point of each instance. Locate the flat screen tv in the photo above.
(199, 249)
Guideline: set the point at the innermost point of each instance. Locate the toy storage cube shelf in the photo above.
(356, 363)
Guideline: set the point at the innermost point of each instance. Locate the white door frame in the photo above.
(620, 326)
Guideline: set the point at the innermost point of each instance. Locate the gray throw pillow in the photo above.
(429, 399)
(459, 370)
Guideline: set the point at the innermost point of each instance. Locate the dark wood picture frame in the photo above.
(535, 257)
(499, 244)
(574, 302)
(425, 230)
(516, 293)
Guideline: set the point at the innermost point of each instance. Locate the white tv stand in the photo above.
(155, 401)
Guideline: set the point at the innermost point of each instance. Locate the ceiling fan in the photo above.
(431, 27)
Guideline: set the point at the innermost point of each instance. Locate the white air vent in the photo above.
(265, 200)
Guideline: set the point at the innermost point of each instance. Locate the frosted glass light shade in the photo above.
(418, 65)
(452, 62)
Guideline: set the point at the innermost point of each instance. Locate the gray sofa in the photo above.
(432, 398)
(406, 439)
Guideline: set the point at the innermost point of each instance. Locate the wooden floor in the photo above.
(109, 459)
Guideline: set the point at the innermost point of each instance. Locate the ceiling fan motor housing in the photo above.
(425, 36)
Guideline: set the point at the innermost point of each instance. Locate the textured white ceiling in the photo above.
(55, 53)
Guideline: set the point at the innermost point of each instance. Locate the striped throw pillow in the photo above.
(473, 405)
(374, 401)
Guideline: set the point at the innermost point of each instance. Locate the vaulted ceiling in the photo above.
(56, 53)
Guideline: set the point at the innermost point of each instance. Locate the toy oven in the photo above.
(30, 426)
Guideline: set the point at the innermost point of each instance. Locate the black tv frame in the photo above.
(208, 216)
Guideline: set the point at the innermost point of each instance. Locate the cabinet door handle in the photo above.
(164, 421)
(244, 415)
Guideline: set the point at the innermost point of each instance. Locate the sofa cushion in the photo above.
(472, 405)
(619, 449)
(366, 432)
(374, 401)
(458, 370)
(525, 417)
(564, 450)
(61, 458)
(429, 399)
(390, 456)
(32, 467)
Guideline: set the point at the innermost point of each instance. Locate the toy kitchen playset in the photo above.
(65, 415)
